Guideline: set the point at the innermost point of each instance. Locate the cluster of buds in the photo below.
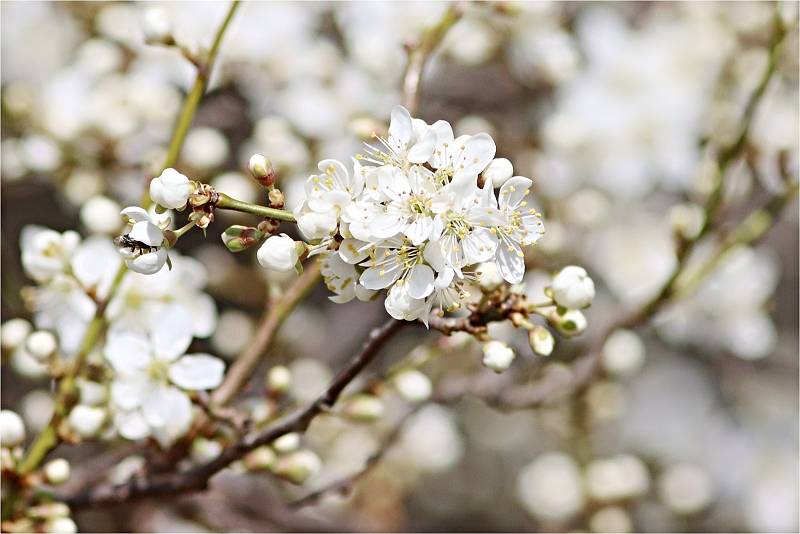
(286, 459)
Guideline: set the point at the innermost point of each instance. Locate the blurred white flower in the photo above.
(685, 488)
(550, 487)
(12, 429)
(100, 215)
(86, 420)
(497, 356)
(47, 253)
(572, 287)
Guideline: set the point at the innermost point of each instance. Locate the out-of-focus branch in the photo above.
(192, 101)
(347, 483)
(67, 393)
(419, 53)
(197, 478)
(241, 370)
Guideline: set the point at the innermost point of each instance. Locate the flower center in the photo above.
(418, 204)
(158, 371)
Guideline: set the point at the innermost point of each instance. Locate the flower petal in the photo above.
(172, 332)
(419, 230)
(127, 352)
(510, 262)
(420, 281)
(513, 191)
(135, 213)
(376, 278)
(400, 127)
(131, 425)
(147, 233)
(197, 371)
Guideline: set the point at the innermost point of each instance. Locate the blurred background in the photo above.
(609, 107)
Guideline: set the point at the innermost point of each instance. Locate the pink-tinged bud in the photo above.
(261, 169)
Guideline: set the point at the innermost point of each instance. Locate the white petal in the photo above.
(419, 230)
(420, 282)
(131, 425)
(147, 233)
(376, 278)
(479, 151)
(129, 392)
(513, 191)
(135, 213)
(149, 263)
(423, 149)
(127, 352)
(479, 246)
(385, 226)
(197, 371)
(156, 408)
(179, 417)
(510, 263)
(353, 251)
(394, 183)
(204, 315)
(172, 332)
(400, 127)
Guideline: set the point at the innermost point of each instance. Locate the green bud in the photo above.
(363, 407)
(541, 340)
(261, 458)
(297, 467)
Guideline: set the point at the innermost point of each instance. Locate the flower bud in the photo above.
(687, 219)
(413, 385)
(489, 277)
(41, 344)
(279, 253)
(56, 471)
(204, 450)
(171, 189)
(363, 407)
(572, 288)
(287, 443)
(86, 421)
(497, 356)
(238, 238)
(12, 429)
(261, 458)
(298, 466)
(498, 171)
(156, 25)
(261, 169)
(61, 525)
(14, 332)
(569, 324)
(279, 380)
(541, 340)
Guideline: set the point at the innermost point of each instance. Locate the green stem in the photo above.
(68, 387)
(225, 202)
(193, 99)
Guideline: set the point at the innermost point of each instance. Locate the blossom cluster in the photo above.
(416, 216)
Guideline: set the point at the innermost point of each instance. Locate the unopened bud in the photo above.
(268, 226)
(261, 169)
(497, 356)
(157, 26)
(41, 344)
(573, 288)
(569, 323)
(238, 238)
(56, 471)
(14, 332)
(261, 458)
(298, 466)
(276, 198)
(204, 450)
(12, 429)
(363, 407)
(413, 385)
(61, 525)
(279, 380)
(86, 421)
(287, 443)
(541, 340)
(687, 219)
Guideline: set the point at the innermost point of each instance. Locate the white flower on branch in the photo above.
(497, 356)
(415, 221)
(142, 247)
(151, 374)
(47, 253)
(280, 253)
(171, 189)
(572, 287)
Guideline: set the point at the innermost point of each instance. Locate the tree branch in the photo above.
(197, 478)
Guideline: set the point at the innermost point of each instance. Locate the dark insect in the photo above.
(137, 248)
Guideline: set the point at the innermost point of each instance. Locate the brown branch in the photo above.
(197, 478)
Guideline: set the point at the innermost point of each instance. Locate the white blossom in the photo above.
(171, 189)
(142, 247)
(47, 253)
(151, 374)
(86, 420)
(572, 287)
(278, 253)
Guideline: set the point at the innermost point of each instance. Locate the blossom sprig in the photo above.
(415, 217)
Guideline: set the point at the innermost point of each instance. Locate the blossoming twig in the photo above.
(197, 478)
